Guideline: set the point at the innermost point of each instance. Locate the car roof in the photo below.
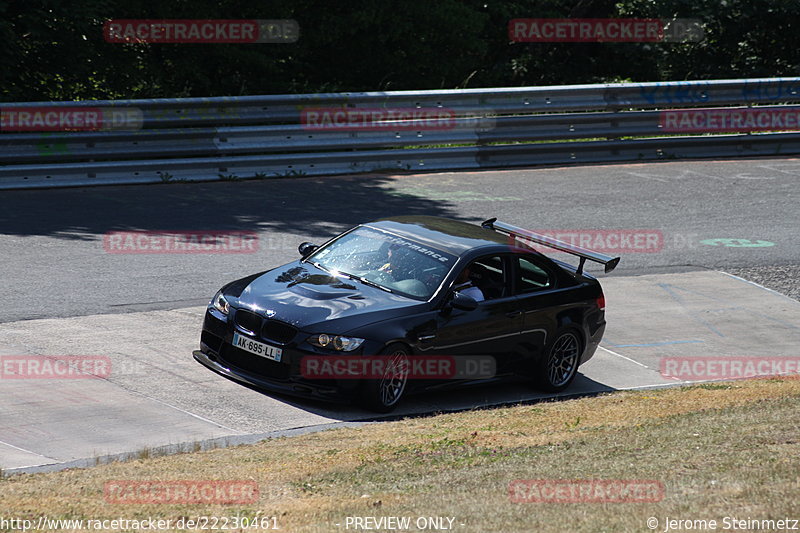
(454, 236)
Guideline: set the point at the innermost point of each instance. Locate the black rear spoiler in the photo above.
(609, 262)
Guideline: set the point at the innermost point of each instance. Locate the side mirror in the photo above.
(463, 302)
(306, 248)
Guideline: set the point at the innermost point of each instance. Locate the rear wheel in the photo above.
(558, 367)
(382, 395)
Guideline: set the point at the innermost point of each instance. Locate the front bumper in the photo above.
(218, 353)
(290, 387)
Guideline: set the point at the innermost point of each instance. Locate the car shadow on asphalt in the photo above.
(502, 393)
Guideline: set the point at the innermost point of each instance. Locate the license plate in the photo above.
(258, 348)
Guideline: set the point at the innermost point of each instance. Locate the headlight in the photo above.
(220, 303)
(335, 342)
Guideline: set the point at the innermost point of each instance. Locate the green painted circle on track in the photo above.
(738, 243)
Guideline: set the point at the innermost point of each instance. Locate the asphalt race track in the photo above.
(65, 293)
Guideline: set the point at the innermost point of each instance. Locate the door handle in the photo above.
(512, 314)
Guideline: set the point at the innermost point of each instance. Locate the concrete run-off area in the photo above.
(156, 397)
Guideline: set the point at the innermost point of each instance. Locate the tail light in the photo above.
(601, 302)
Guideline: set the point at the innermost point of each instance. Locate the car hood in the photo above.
(303, 295)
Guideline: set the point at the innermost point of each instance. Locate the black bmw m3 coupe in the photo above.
(364, 315)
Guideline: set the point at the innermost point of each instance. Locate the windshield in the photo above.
(391, 262)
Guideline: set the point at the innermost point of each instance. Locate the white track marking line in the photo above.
(623, 357)
(27, 451)
(636, 363)
(759, 286)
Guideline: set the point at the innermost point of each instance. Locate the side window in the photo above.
(484, 279)
(533, 277)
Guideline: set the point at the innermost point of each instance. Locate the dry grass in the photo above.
(720, 450)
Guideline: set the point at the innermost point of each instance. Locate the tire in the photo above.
(558, 367)
(383, 395)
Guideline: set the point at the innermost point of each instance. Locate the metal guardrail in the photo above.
(265, 136)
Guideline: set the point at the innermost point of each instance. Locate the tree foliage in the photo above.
(54, 49)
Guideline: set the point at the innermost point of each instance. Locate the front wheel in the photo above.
(382, 395)
(559, 365)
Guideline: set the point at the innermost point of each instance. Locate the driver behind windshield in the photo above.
(399, 262)
(389, 265)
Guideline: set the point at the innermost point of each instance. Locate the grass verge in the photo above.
(720, 450)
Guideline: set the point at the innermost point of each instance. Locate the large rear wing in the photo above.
(525, 235)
